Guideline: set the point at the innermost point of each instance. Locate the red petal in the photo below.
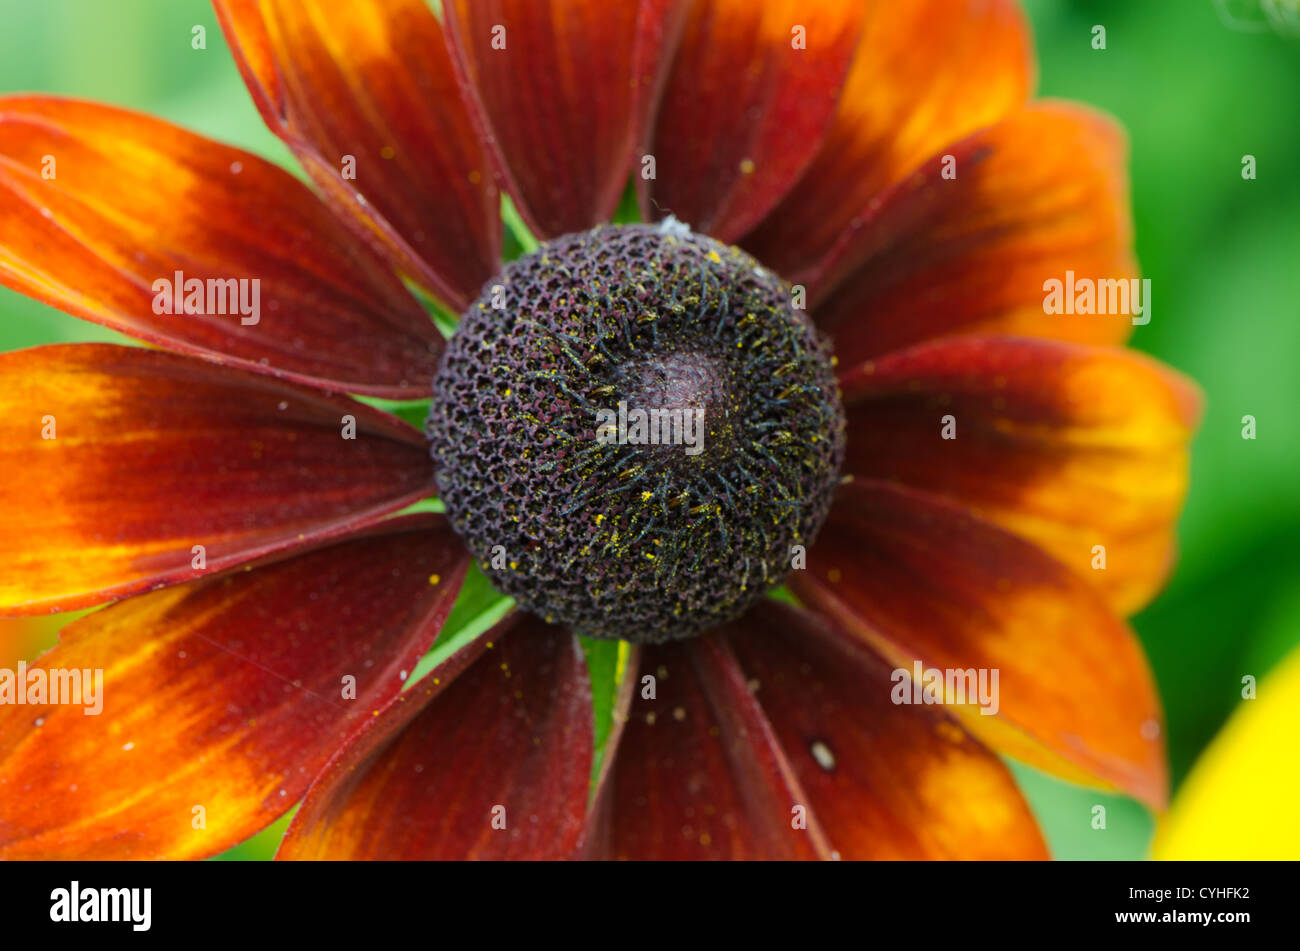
(371, 80)
(887, 781)
(697, 772)
(1069, 446)
(132, 457)
(744, 110)
(562, 95)
(920, 580)
(220, 698)
(98, 204)
(499, 735)
(926, 73)
(1036, 196)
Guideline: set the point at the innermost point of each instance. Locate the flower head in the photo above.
(676, 511)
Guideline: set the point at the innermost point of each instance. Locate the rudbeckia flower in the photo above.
(883, 457)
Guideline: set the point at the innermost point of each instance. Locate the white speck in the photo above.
(128, 746)
(402, 675)
(675, 226)
(1150, 730)
(823, 755)
(284, 404)
(40, 721)
(236, 168)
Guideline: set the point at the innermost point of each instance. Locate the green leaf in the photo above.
(629, 209)
(518, 238)
(414, 412)
(477, 608)
(606, 665)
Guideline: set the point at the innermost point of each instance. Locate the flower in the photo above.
(1004, 493)
(1235, 804)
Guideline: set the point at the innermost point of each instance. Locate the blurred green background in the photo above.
(1196, 92)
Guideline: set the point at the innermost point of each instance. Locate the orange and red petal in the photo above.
(926, 74)
(219, 699)
(561, 93)
(969, 242)
(134, 223)
(363, 93)
(1070, 446)
(697, 772)
(750, 93)
(135, 468)
(921, 580)
(886, 780)
(487, 757)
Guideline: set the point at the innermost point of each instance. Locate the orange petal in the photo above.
(487, 757)
(1038, 195)
(98, 205)
(562, 94)
(364, 95)
(926, 73)
(1069, 446)
(887, 781)
(219, 699)
(922, 581)
(131, 459)
(697, 772)
(749, 96)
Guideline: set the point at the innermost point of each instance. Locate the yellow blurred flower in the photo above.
(1240, 800)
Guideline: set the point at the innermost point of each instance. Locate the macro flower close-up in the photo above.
(627, 429)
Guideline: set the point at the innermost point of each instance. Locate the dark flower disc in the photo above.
(634, 430)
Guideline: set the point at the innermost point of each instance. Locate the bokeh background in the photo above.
(1198, 84)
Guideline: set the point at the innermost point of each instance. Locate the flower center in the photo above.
(635, 432)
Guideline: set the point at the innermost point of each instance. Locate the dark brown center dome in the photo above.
(633, 428)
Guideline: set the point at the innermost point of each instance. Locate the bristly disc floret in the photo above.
(571, 509)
